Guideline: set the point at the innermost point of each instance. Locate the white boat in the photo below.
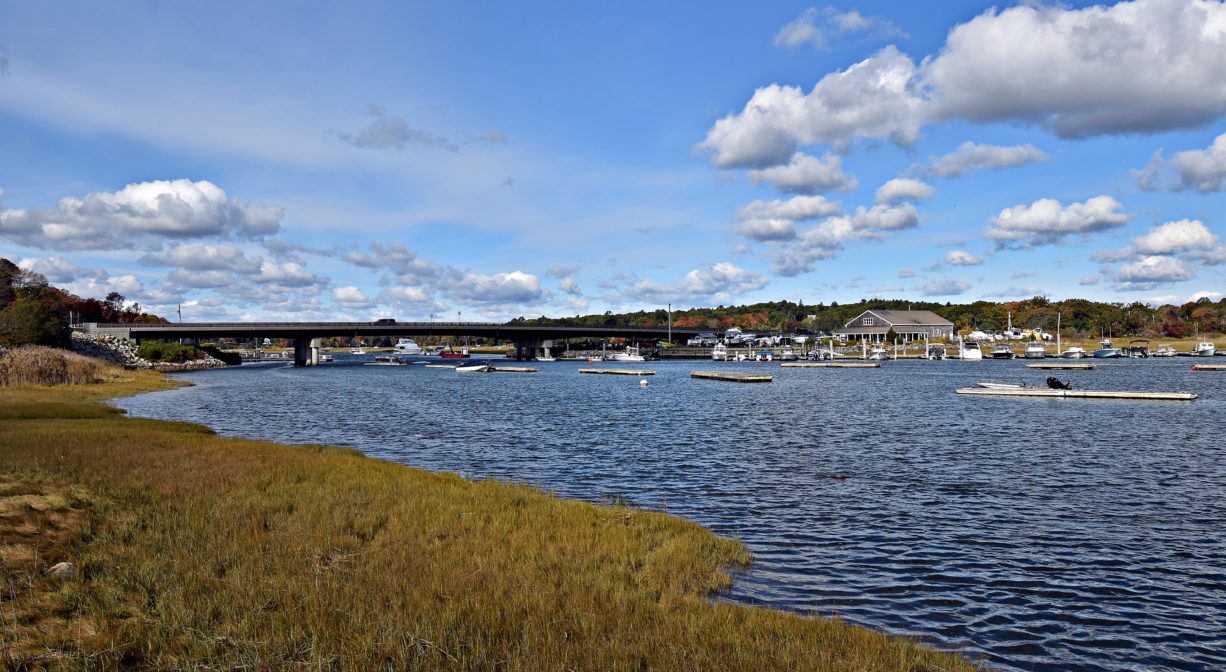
(357, 351)
(788, 354)
(878, 353)
(406, 346)
(719, 353)
(326, 357)
(1002, 386)
(474, 367)
(546, 359)
(1074, 352)
(935, 352)
(630, 354)
(385, 361)
(1035, 350)
(1165, 351)
(1204, 349)
(1002, 351)
(971, 351)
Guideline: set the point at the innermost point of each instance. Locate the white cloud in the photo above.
(1090, 280)
(1046, 221)
(205, 257)
(285, 274)
(962, 258)
(400, 260)
(410, 298)
(903, 189)
(1204, 169)
(141, 214)
(502, 288)
(1212, 296)
(970, 157)
(820, 242)
(906, 273)
(807, 174)
(718, 283)
(59, 270)
(814, 27)
(1147, 177)
(944, 287)
(871, 99)
(797, 209)
(351, 298)
(1133, 67)
(391, 132)
(1172, 237)
(194, 279)
(569, 286)
(886, 217)
(764, 230)
(1150, 272)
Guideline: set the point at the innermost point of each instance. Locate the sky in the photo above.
(484, 161)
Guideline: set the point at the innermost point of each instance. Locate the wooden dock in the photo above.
(619, 372)
(732, 376)
(832, 365)
(1078, 394)
(1209, 367)
(1068, 366)
(513, 369)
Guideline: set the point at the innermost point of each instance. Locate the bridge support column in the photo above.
(306, 351)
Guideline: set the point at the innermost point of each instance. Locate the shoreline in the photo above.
(631, 585)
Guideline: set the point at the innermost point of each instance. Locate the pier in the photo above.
(732, 376)
(1209, 367)
(619, 372)
(1067, 366)
(1077, 394)
(832, 365)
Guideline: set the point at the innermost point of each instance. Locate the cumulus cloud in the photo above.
(1133, 67)
(872, 99)
(815, 27)
(390, 132)
(59, 270)
(1047, 222)
(886, 217)
(1150, 272)
(141, 214)
(906, 273)
(944, 287)
(1148, 177)
(1180, 236)
(806, 174)
(970, 157)
(563, 271)
(775, 220)
(962, 258)
(351, 298)
(1202, 170)
(826, 239)
(285, 274)
(766, 230)
(718, 283)
(502, 288)
(569, 286)
(1090, 280)
(410, 298)
(400, 260)
(205, 257)
(903, 189)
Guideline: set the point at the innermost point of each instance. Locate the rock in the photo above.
(63, 570)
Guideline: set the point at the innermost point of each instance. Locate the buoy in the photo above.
(589, 361)
(642, 382)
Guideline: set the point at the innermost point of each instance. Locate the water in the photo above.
(1032, 534)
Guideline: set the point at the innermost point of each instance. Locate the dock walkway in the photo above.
(1077, 394)
(619, 372)
(732, 376)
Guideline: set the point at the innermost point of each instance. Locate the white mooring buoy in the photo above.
(642, 382)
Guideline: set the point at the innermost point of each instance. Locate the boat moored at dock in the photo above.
(1204, 349)
(1036, 350)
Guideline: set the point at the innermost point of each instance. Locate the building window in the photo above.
(868, 321)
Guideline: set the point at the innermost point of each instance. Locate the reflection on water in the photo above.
(1035, 534)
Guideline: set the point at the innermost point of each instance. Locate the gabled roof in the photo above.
(908, 318)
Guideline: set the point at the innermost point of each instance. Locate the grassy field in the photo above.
(206, 553)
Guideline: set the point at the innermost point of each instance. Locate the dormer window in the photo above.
(868, 321)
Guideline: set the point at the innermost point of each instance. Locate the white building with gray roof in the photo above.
(909, 325)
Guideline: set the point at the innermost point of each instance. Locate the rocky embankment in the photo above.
(123, 352)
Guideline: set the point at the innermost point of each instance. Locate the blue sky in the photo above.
(315, 161)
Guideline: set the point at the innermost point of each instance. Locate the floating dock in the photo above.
(732, 376)
(1209, 367)
(619, 372)
(512, 369)
(1077, 394)
(833, 365)
(1069, 366)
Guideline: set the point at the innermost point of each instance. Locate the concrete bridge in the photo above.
(529, 340)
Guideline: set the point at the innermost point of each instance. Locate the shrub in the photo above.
(39, 365)
(157, 351)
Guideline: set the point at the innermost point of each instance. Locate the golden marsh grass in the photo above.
(197, 552)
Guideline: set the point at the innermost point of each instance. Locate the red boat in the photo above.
(449, 353)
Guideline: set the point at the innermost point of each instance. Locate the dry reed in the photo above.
(40, 365)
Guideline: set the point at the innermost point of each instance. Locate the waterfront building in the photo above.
(910, 325)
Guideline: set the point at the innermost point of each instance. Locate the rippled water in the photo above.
(1033, 534)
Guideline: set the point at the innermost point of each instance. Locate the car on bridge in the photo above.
(387, 321)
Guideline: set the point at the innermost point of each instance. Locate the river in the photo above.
(1030, 534)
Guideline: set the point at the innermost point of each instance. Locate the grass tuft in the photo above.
(40, 365)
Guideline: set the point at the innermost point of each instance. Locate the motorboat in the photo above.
(630, 354)
(877, 353)
(1106, 352)
(1002, 386)
(474, 367)
(1036, 350)
(970, 351)
(326, 357)
(719, 353)
(1074, 352)
(406, 346)
(546, 359)
(1137, 349)
(788, 354)
(1164, 351)
(385, 361)
(936, 352)
(1204, 349)
(763, 355)
(357, 351)
(1003, 351)
(450, 353)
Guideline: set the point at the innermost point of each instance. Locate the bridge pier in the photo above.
(532, 349)
(306, 351)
